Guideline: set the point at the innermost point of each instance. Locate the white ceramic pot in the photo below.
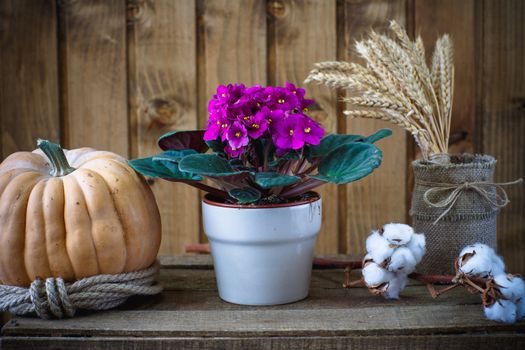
(262, 254)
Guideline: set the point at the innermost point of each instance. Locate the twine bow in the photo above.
(497, 199)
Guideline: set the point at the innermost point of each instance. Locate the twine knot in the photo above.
(54, 298)
(497, 199)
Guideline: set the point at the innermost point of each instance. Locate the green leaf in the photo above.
(245, 195)
(207, 165)
(378, 135)
(216, 146)
(333, 141)
(349, 162)
(180, 140)
(173, 156)
(272, 179)
(161, 169)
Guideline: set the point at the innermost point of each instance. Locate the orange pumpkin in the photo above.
(73, 214)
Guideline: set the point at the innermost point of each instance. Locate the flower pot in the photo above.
(262, 254)
(454, 205)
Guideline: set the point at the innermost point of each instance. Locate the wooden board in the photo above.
(93, 74)
(190, 314)
(163, 97)
(503, 116)
(379, 198)
(293, 49)
(29, 106)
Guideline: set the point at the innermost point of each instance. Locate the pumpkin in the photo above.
(73, 214)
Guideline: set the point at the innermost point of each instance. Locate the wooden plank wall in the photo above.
(116, 74)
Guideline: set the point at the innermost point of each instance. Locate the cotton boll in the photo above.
(402, 261)
(479, 260)
(498, 266)
(398, 234)
(378, 247)
(417, 246)
(395, 286)
(511, 287)
(520, 312)
(375, 275)
(502, 311)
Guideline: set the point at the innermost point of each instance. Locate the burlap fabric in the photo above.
(454, 205)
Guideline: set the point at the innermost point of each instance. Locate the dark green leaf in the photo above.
(179, 140)
(333, 141)
(207, 165)
(216, 146)
(160, 169)
(272, 179)
(378, 135)
(349, 162)
(245, 195)
(173, 156)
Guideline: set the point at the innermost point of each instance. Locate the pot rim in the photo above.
(208, 200)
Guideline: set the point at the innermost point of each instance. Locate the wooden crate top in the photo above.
(189, 313)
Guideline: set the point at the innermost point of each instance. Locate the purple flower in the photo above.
(233, 152)
(273, 117)
(237, 135)
(216, 127)
(281, 98)
(299, 92)
(288, 134)
(309, 130)
(230, 94)
(256, 124)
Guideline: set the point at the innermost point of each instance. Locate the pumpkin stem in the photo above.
(55, 154)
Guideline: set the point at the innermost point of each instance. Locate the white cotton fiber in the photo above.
(417, 246)
(498, 266)
(375, 275)
(480, 260)
(520, 312)
(395, 286)
(502, 311)
(511, 287)
(402, 261)
(378, 247)
(399, 234)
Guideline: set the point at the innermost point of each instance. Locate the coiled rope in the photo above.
(54, 298)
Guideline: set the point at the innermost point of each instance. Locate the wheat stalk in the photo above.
(396, 85)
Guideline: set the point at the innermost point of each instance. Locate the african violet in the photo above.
(264, 148)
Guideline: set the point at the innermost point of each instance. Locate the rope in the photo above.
(497, 199)
(54, 298)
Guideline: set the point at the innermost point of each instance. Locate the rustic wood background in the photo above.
(115, 75)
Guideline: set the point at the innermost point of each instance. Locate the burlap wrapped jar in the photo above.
(455, 205)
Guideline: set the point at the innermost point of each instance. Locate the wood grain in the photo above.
(503, 116)
(163, 97)
(293, 49)
(450, 342)
(381, 197)
(29, 106)
(93, 74)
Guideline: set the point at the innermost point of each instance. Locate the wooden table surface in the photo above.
(189, 314)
